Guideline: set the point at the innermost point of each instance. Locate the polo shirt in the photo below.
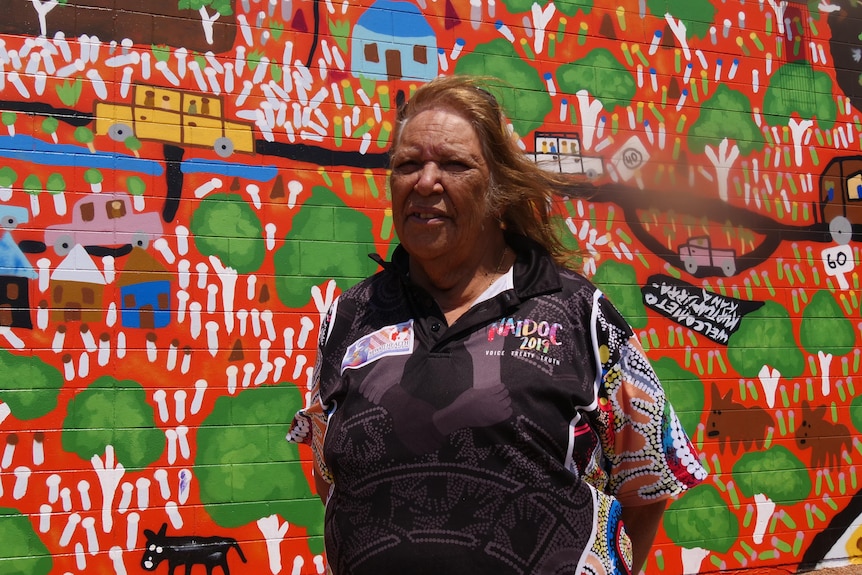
(507, 442)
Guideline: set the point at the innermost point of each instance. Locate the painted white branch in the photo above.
(722, 162)
(769, 380)
(228, 278)
(765, 508)
(207, 23)
(42, 9)
(779, 8)
(798, 128)
(589, 114)
(109, 476)
(273, 533)
(825, 360)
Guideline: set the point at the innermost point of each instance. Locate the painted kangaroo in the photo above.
(735, 423)
(827, 440)
(187, 550)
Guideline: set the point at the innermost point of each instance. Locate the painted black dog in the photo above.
(187, 550)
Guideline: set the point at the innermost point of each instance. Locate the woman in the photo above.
(486, 409)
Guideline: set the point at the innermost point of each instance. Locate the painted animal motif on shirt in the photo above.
(188, 551)
(827, 440)
(735, 423)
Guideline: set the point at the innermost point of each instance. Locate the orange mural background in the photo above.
(186, 185)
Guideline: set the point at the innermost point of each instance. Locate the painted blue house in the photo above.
(15, 273)
(145, 292)
(392, 40)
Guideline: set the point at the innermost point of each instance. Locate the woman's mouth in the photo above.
(427, 216)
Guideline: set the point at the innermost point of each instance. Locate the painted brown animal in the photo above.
(735, 423)
(187, 550)
(827, 440)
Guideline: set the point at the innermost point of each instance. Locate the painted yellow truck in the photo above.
(177, 117)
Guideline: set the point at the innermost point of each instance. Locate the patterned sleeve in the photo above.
(647, 454)
(309, 423)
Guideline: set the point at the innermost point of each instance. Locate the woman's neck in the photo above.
(455, 286)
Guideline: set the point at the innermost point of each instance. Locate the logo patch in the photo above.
(390, 340)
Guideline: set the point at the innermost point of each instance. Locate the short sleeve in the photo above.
(309, 424)
(647, 455)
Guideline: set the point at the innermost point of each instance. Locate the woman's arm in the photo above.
(641, 523)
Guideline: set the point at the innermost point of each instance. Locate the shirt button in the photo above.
(435, 327)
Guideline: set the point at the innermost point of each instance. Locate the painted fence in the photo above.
(185, 185)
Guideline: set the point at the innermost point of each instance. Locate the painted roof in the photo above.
(141, 267)
(78, 266)
(395, 18)
(13, 262)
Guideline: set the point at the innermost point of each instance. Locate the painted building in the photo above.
(184, 191)
(392, 40)
(145, 292)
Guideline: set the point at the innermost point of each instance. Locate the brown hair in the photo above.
(519, 191)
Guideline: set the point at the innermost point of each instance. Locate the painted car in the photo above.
(11, 216)
(104, 219)
(698, 253)
(176, 116)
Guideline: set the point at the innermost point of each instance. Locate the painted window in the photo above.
(420, 54)
(116, 209)
(88, 211)
(371, 53)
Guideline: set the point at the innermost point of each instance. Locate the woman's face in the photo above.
(439, 184)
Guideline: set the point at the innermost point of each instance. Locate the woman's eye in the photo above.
(455, 166)
(407, 167)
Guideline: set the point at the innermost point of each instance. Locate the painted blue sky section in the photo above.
(230, 169)
(30, 149)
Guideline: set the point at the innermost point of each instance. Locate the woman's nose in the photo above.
(430, 179)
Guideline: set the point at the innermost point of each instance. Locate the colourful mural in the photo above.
(185, 186)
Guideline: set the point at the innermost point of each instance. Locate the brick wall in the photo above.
(184, 191)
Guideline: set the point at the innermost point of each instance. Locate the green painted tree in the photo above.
(826, 332)
(95, 178)
(8, 119)
(49, 126)
(765, 340)
(521, 92)
(224, 225)
(796, 97)
(684, 390)
(8, 176)
(601, 76)
(701, 519)
(22, 551)
(29, 386)
(327, 240)
(725, 128)
(33, 187)
(56, 186)
(219, 8)
(775, 472)
(248, 472)
(85, 135)
(696, 15)
(567, 7)
(116, 413)
(772, 477)
(619, 282)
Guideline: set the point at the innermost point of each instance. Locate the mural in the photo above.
(185, 186)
